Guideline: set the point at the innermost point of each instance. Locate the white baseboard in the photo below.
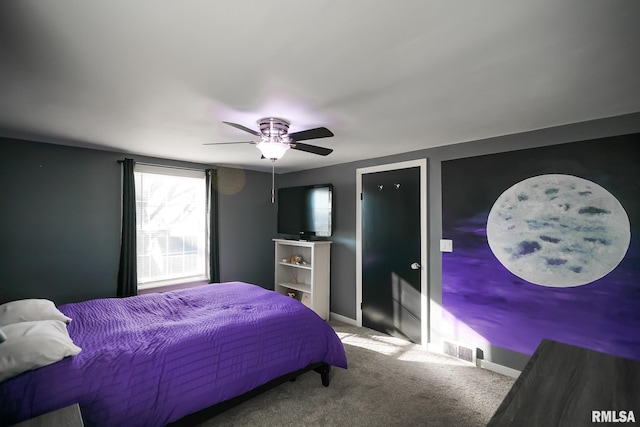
(343, 319)
(500, 369)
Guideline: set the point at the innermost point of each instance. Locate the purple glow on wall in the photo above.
(484, 302)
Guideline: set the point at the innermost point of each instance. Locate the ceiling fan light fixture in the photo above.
(275, 139)
(272, 150)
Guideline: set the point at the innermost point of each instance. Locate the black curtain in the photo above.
(212, 208)
(128, 273)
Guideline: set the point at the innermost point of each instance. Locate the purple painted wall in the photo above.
(483, 302)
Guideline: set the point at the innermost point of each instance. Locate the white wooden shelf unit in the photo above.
(309, 279)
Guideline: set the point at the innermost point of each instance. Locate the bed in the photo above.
(153, 359)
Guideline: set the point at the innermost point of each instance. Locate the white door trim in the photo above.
(424, 284)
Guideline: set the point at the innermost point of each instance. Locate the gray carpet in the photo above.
(390, 382)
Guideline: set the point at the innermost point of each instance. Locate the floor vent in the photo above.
(459, 351)
(450, 348)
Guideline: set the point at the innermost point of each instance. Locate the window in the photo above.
(171, 224)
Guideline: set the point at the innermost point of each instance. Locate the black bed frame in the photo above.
(198, 417)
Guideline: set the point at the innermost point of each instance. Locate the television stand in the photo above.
(307, 280)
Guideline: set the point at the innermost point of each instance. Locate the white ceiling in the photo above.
(157, 77)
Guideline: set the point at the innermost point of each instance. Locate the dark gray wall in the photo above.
(343, 286)
(60, 223)
(247, 227)
(60, 220)
(343, 248)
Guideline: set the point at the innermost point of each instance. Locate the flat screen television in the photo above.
(306, 211)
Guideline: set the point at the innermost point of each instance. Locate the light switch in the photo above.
(446, 245)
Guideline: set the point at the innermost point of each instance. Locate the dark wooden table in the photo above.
(68, 416)
(562, 385)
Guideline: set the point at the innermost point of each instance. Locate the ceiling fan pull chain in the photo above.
(273, 180)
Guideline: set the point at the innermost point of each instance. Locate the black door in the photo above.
(390, 245)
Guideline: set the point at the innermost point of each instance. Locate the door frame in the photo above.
(424, 284)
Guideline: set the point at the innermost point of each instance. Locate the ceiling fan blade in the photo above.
(244, 128)
(315, 133)
(224, 143)
(312, 149)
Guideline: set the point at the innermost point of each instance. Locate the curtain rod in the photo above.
(172, 167)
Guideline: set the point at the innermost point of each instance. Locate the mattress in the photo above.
(151, 359)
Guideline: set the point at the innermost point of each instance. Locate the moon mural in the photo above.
(558, 230)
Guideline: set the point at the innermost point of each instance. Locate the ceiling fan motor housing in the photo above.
(274, 128)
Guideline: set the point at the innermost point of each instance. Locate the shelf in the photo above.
(310, 281)
(302, 287)
(303, 266)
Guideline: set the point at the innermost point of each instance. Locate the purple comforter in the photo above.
(152, 359)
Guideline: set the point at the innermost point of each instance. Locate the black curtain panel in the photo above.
(128, 272)
(212, 211)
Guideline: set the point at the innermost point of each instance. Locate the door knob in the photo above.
(415, 266)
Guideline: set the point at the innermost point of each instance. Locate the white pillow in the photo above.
(31, 345)
(26, 310)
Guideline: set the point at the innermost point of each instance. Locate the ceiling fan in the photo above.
(275, 138)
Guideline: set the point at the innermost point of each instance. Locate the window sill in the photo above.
(173, 285)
